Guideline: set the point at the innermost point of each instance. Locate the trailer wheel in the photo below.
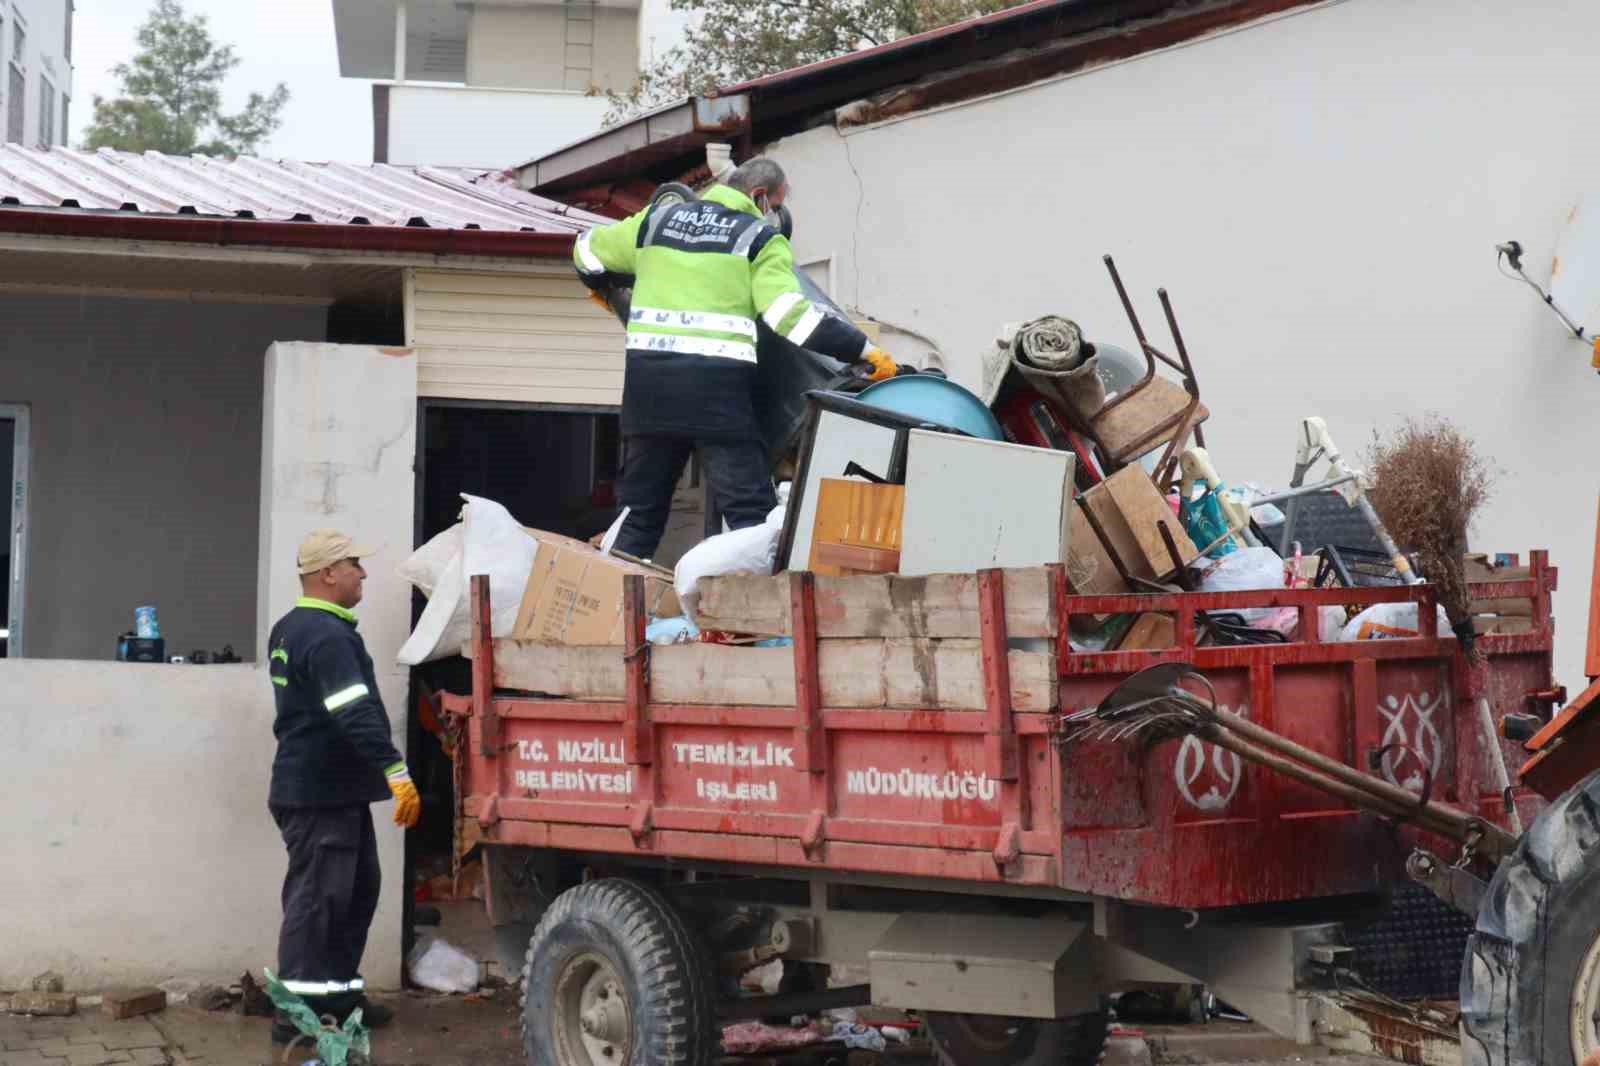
(615, 978)
(1530, 983)
(996, 1040)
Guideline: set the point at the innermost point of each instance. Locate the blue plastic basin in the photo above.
(936, 399)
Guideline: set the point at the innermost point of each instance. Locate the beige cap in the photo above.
(324, 547)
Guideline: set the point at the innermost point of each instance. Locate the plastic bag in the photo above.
(440, 966)
(1245, 570)
(671, 631)
(856, 1035)
(1386, 621)
(492, 543)
(427, 564)
(743, 551)
(1207, 526)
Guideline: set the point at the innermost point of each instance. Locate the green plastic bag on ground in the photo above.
(347, 1046)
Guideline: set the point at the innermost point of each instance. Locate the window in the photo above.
(66, 127)
(47, 113)
(13, 531)
(15, 99)
(19, 44)
(69, 41)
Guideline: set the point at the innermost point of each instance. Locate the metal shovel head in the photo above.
(1148, 686)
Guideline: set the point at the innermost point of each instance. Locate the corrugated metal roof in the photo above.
(278, 191)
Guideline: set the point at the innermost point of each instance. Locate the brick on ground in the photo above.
(130, 1002)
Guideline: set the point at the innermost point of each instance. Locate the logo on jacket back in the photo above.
(701, 224)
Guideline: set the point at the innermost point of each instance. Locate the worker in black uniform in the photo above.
(335, 758)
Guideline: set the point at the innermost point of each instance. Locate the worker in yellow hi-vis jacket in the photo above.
(703, 272)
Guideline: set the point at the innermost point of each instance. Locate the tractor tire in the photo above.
(615, 978)
(1530, 982)
(995, 1040)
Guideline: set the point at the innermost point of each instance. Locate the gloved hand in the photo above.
(601, 301)
(407, 804)
(882, 365)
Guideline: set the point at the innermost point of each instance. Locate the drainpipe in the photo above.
(719, 159)
(400, 43)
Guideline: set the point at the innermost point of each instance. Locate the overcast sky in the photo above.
(328, 117)
(291, 41)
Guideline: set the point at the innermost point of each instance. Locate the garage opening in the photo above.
(13, 498)
(553, 468)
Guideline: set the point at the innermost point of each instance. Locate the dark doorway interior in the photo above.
(553, 469)
(8, 447)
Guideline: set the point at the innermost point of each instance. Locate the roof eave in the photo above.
(625, 149)
(305, 236)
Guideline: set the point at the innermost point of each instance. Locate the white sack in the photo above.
(1245, 570)
(427, 564)
(743, 551)
(440, 966)
(1393, 615)
(492, 543)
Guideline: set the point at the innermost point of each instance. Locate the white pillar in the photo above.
(400, 42)
(338, 441)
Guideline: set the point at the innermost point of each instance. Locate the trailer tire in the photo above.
(1530, 982)
(615, 978)
(996, 1040)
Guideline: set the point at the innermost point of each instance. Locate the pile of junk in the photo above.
(1074, 451)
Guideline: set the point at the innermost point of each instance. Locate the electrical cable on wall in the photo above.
(1510, 254)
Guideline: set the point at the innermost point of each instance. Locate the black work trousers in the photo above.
(735, 471)
(329, 897)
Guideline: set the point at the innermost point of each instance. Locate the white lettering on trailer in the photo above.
(742, 792)
(874, 781)
(731, 754)
(585, 781)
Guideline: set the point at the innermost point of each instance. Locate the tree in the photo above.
(171, 97)
(736, 40)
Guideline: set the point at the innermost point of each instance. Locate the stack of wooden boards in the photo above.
(884, 641)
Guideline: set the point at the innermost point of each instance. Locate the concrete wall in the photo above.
(146, 445)
(141, 846)
(448, 125)
(1320, 193)
(328, 462)
(528, 47)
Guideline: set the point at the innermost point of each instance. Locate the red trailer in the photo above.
(890, 792)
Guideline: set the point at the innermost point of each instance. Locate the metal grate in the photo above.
(1415, 950)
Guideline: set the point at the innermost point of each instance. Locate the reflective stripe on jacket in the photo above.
(704, 272)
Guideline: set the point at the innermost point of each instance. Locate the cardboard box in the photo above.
(574, 595)
(1130, 509)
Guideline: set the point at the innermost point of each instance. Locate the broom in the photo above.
(1428, 482)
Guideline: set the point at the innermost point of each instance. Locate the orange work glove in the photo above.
(407, 804)
(601, 301)
(882, 365)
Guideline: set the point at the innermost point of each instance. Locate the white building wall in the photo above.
(1320, 193)
(43, 59)
(457, 126)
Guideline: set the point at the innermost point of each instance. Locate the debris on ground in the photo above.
(346, 1045)
(132, 1002)
(253, 999)
(753, 1038)
(51, 1004)
(439, 966)
(49, 981)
